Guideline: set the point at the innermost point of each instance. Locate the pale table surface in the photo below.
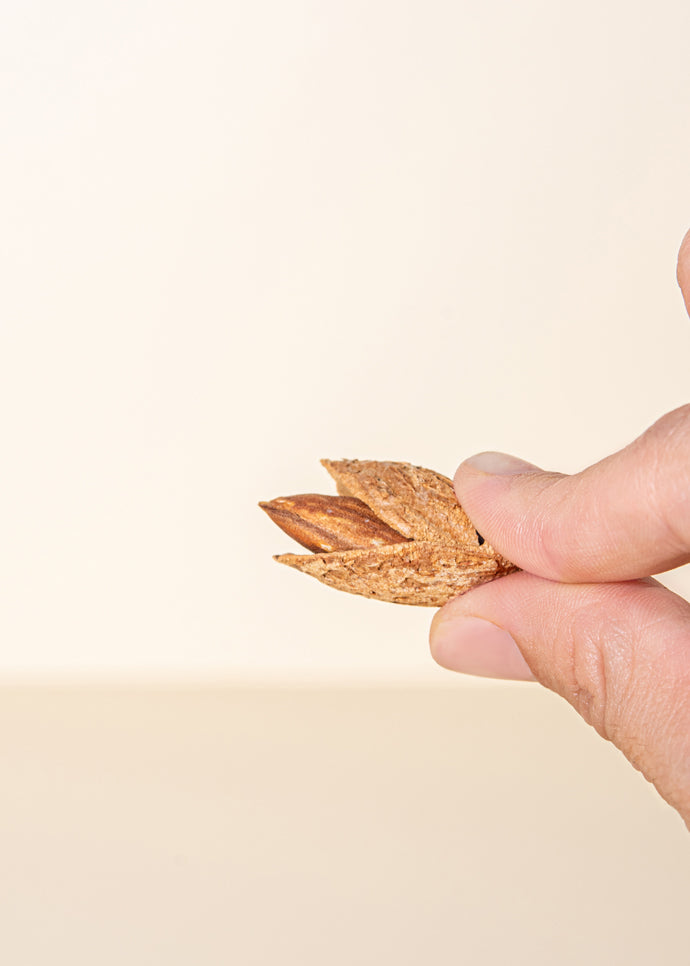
(216, 825)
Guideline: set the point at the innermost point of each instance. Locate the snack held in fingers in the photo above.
(395, 532)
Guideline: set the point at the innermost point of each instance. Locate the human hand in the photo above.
(583, 617)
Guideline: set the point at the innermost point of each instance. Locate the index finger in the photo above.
(625, 517)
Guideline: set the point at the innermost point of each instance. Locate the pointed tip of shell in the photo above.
(295, 559)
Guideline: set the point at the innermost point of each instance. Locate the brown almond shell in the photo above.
(420, 572)
(419, 503)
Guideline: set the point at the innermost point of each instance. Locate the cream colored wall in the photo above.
(239, 237)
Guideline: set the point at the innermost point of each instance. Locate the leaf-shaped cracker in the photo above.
(396, 533)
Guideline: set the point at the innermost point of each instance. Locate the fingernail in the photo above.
(500, 464)
(475, 646)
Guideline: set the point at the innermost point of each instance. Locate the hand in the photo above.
(584, 618)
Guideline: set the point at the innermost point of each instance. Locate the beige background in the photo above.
(239, 237)
(236, 238)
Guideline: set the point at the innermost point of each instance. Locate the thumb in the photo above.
(618, 652)
(627, 516)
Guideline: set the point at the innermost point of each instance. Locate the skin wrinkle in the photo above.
(532, 530)
(614, 659)
(667, 444)
(670, 730)
(558, 545)
(679, 732)
(675, 448)
(600, 666)
(538, 529)
(593, 666)
(551, 545)
(588, 686)
(596, 531)
(586, 542)
(603, 524)
(619, 667)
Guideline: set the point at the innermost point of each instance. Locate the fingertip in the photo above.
(494, 469)
(497, 464)
(683, 269)
(472, 645)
